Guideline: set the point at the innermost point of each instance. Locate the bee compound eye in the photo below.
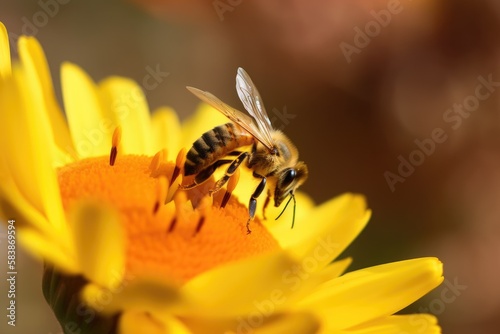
(289, 176)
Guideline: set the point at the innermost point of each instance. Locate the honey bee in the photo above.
(272, 157)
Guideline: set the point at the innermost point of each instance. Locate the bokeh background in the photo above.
(354, 93)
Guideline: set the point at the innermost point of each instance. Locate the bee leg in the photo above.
(266, 203)
(234, 153)
(230, 171)
(204, 174)
(252, 206)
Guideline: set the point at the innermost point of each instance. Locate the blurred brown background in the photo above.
(356, 84)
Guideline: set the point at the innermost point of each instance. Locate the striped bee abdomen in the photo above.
(213, 145)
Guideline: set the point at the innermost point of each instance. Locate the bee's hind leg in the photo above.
(230, 171)
(204, 174)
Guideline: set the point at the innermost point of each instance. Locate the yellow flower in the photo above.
(119, 260)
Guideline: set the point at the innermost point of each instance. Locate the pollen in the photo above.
(179, 240)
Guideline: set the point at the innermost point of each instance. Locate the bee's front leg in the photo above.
(252, 206)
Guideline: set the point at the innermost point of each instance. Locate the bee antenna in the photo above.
(292, 196)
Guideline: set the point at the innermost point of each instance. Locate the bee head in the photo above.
(289, 179)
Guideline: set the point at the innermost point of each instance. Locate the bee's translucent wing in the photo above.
(234, 115)
(250, 97)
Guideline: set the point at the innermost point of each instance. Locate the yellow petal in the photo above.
(166, 132)
(298, 322)
(281, 229)
(44, 248)
(14, 205)
(126, 101)
(91, 129)
(204, 119)
(333, 271)
(151, 323)
(26, 155)
(327, 230)
(302, 279)
(13, 120)
(38, 73)
(397, 324)
(5, 65)
(100, 243)
(259, 320)
(140, 295)
(268, 281)
(174, 326)
(375, 292)
(137, 323)
(146, 323)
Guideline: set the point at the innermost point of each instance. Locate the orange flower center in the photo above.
(175, 241)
